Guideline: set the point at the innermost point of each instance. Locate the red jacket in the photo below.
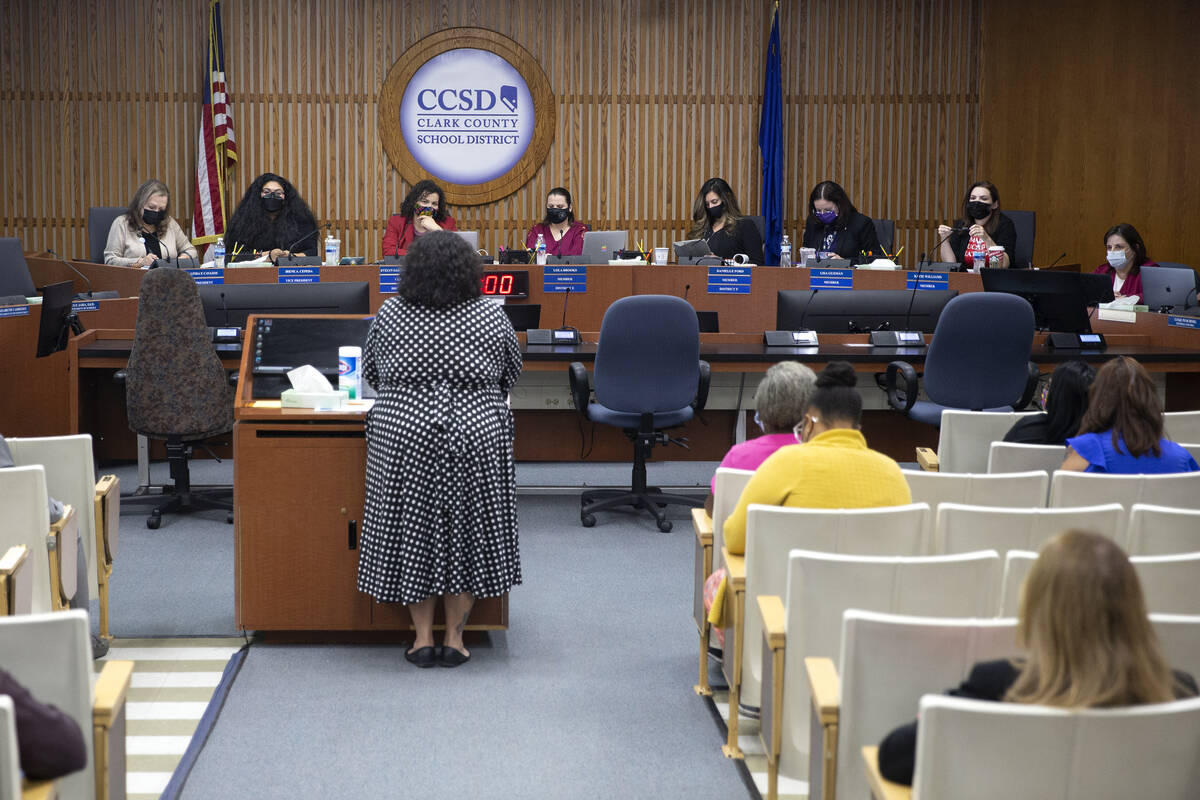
(1133, 283)
(400, 234)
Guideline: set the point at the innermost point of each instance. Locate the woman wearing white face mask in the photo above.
(1125, 258)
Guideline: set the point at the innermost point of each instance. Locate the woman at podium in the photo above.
(718, 220)
(271, 220)
(147, 231)
(559, 230)
(423, 211)
(835, 228)
(440, 518)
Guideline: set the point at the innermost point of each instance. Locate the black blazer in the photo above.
(989, 680)
(744, 239)
(1005, 236)
(856, 235)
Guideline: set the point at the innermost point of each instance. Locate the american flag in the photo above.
(218, 150)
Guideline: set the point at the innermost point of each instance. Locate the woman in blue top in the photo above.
(1122, 430)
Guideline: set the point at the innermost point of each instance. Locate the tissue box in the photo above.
(325, 401)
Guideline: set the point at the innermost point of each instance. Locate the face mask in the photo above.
(152, 217)
(1116, 258)
(426, 211)
(272, 204)
(715, 212)
(827, 216)
(556, 215)
(977, 209)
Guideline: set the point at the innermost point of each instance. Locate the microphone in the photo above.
(71, 267)
(807, 306)
(225, 309)
(954, 230)
(1061, 256)
(566, 334)
(686, 288)
(318, 229)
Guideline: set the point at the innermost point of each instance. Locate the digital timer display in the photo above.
(512, 284)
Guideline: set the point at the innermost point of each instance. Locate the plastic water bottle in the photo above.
(219, 253)
(332, 250)
(785, 252)
(540, 249)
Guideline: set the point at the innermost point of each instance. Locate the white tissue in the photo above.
(309, 380)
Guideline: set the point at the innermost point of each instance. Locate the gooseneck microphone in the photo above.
(938, 246)
(318, 229)
(565, 334)
(225, 309)
(686, 288)
(1061, 256)
(807, 306)
(72, 267)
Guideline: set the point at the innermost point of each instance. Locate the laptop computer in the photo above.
(600, 246)
(470, 237)
(1172, 288)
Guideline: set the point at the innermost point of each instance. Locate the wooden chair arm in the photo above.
(825, 689)
(770, 607)
(39, 790)
(62, 546)
(11, 566)
(881, 788)
(927, 459)
(735, 566)
(109, 692)
(108, 495)
(703, 524)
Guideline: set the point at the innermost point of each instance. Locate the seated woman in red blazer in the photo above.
(559, 230)
(1126, 255)
(423, 210)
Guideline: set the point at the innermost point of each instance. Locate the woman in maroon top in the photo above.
(1125, 258)
(422, 211)
(562, 234)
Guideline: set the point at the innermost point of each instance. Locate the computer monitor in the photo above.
(839, 311)
(1060, 300)
(524, 316)
(1170, 288)
(282, 344)
(470, 237)
(227, 305)
(600, 246)
(58, 320)
(708, 321)
(15, 279)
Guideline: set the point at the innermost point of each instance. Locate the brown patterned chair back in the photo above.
(175, 384)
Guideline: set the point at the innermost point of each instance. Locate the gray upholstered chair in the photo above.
(885, 231)
(649, 377)
(99, 222)
(175, 386)
(1026, 224)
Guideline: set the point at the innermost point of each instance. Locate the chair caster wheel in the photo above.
(152, 522)
(665, 526)
(588, 520)
(229, 518)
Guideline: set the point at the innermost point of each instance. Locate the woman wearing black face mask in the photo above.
(982, 226)
(836, 228)
(147, 232)
(423, 211)
(718, 220)
(559, 230)
(272, 220)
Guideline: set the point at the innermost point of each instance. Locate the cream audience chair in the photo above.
(1178, 490)
(51, 655)
(71, 478)
(10, 764)
(727, 487)
(965, 436)
(16, 582)
(52, 548)
(771, 532)
(1017, 564)
(1160, 531)
(1171, 583)
(1193, 449)
(1013, 457)
(964, 529)
(1013, 490)
(1179, 636)
(988, 751)
(808, 627)
(1182, 426)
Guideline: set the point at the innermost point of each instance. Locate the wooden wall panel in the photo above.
(653, 97)
(1090, 117)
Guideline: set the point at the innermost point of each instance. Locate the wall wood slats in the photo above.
(653, 96)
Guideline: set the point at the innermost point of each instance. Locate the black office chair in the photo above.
(99, 222)
(1026, 224)
(760, 222)
(15, 279)
(978, 360)
(885, 231)
(175, 386)
(649, 377)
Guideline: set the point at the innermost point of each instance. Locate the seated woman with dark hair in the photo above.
(272, 220)
(718, 220)
(423, 211)
(1089, 643)
(559, 230)
(1125, 257)
(1122, 431)
(981, 227)
(835, 227)
(1064, 404)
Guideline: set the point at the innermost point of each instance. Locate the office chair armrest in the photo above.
(233, 377)
(120, 375)
(901, 401)
(1031, 384)
(702, 388)
(581, 387)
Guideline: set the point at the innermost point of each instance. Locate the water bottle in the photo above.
(332, 250)
(540, 249)
(785, 252)
(219, 253)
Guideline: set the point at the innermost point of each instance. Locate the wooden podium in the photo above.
(299, 480)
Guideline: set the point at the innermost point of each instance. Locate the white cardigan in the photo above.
(125, 247)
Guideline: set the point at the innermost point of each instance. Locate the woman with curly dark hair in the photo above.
(271, 220)
(440, 519)
(423, 211)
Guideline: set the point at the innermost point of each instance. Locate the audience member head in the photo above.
(150, 208)
(1084, 623)
(1123, 400)
(1067, 399)
(559, 207)
(981, 202)
(783, 396)
(271, 203)
(1124, 245)
(425, 197)
(836, 402)
(715, 202)
(828, 198)
(440, 271)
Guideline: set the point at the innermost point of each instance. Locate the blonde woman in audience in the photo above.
(1089, 643)
(147, 232)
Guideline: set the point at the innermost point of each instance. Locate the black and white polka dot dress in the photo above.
(441, 501)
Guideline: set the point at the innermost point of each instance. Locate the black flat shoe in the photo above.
(424, 658)
(453, 658)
